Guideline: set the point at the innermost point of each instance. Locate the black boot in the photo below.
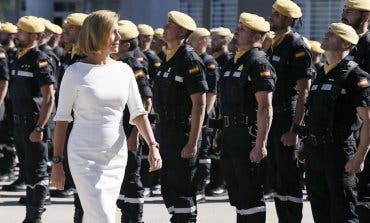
(35, 214)
(77, 217)
(27, 219)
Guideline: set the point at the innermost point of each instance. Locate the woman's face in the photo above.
(113, 41)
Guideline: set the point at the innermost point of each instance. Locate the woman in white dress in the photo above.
(97, 90)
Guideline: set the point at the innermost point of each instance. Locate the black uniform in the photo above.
(361, 55)
(204, 161)
(7, 152)
(332, 124)
(131, 199)
(292, 61)
(33, 71)
(238, 84)
(154, 62)
(177, 79)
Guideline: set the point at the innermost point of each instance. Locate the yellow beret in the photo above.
(31, 24)
(316, 47)
(254, 22)
(48, 25)
(158, 32)
(125, 22)
(145, 29)
(8, 28)
(183, 20)
(57, 29)
(345, 32)
(288, 8)
(76, 19)
(362, 5)
(221, 31)
(200, 32)
(128, 31)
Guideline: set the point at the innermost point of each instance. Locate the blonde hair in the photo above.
(95, 31)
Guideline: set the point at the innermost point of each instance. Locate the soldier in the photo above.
(200, 40)
(71, 31)
(220, 39)
(146, 33)
(7, 150)
(291, 58)
(131, 199)
(246, 86)
(339, 98)
(32, 95)
(268, 41)
(179, 98)
(158, 44)
(55, 41)
(317, 52)
(356, 13)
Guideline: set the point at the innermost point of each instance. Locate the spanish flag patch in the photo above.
(157, 64)
(300, 54)
(211, 66)
(265, 73)
(138, 73)
(194, 70)
(43, 63)
(2, 55)
(140, 59)
(363, 83)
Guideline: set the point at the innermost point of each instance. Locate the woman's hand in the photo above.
(154, 158)
(58, 176)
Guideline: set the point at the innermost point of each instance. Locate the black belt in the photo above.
(227, 121)
(23, 119)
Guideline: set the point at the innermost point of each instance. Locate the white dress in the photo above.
(97, 149)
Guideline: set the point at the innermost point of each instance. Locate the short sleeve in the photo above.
(301, 65)
(361, 87)
(134, 102)
(194, 78)
(264, 77)
(67, 97)
(4, 71)
(212, 75)
(44, 70)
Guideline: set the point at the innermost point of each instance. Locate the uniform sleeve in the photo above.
(4, 71)
(134, 102)
(212, 75)
(143, 83)
(194, 78)
(301, 65)
(44, 71)
(361, 86)
(67, 97)
(263, 76)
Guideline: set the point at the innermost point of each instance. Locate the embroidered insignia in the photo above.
(265, 73)
(138, 73)
(140, 59)
(194, 70)
(240, 68)
(157, 64)
(363, 83)
(43, 63)
(2, 56)
(300, 54)
(211, 66)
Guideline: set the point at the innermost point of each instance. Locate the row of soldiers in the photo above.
(246, 91)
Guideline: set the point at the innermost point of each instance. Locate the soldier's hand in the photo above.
(289, 139)
(257, 154)
(354, 165)
(189, 151)
(58, 176)
(36, 136)
(154, 158)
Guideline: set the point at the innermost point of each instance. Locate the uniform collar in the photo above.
(330, 67)
(24, 51)
(279, 39)
(171, 53)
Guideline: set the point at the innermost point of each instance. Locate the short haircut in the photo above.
(95, 31)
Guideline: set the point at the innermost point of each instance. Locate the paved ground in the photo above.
(215, 210)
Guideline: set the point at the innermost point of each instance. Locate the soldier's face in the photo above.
(70, 33)
(352, 17)
(157, 44)
(331, 42)
(277, 21)
(171, 31)
(243, 35)
(22, 38)
(217, 42)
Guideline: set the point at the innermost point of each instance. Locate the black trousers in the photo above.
(204, 161)
(34, 157)
(284, 171)
(243, 179)
(177, 174)
(363, 207)
(131, 199)
(331, 190)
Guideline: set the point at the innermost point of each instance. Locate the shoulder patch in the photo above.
(140, 59)
(211, 66)
(363, 83)
(157, 64)
(2, 55)
(300, 54)
(43, 63)
(240, 68)
(265, 73)
(138, 73)
(194, 69)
